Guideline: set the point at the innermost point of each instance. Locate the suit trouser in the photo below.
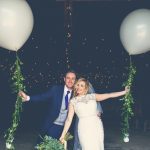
(54, 131)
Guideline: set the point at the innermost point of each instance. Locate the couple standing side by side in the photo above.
(58, 97)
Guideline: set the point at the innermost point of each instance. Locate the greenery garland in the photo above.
(17, 86)
(50, 143)
(127, 111)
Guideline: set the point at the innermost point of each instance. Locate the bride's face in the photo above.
(80, 88)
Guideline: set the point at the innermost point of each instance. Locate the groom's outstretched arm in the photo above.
(40, 97)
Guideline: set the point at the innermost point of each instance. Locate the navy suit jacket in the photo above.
(54, 95)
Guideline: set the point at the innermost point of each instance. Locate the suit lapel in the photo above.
(60, 96)
(71, 94)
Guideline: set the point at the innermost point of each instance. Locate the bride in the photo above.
(90, 127)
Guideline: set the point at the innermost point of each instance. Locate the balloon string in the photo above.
(130, 59)
(17, 57)
(16, 54)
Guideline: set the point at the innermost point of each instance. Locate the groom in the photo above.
(58, 97)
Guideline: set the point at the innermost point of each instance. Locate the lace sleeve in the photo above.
(72, 101)
(91, 97)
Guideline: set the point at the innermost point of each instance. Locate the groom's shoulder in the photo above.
(55, 87)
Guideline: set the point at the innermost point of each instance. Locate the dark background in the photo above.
(97, 54)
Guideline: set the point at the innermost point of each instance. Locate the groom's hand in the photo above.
(23, 95)
(99, 114)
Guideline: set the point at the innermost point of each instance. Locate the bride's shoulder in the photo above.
(91, 96)
(73, 100)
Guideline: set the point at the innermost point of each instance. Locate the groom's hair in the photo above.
(71, 71)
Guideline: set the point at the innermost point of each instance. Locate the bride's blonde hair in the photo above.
(87, 84)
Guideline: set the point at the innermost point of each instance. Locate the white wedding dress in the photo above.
(90, 127)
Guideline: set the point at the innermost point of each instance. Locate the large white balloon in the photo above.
(16, 23)
(135, 32)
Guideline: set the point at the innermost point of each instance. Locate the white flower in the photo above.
(126, 138)
(8, 145)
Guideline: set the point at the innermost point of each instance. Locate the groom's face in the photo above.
(70, 80)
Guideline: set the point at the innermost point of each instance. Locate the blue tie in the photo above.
(66, 99)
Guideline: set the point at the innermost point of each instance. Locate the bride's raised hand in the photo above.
(127, 89)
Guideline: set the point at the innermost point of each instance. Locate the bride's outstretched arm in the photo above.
(67, 122)
(101, 97)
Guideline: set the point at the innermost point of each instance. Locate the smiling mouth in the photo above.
(79, 91)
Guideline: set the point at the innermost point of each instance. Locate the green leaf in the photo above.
(17, 79)
(50, 144)
(127, 111)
